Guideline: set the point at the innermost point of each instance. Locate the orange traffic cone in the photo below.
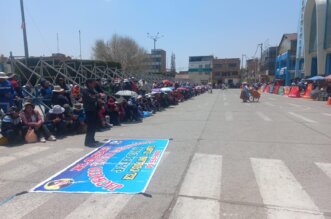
(329, 101)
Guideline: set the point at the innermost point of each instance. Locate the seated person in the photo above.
(11, 126)
(59, 97)
(79, 118)
(113, 111)
(32, 119)
(102, 115)
(55, 120)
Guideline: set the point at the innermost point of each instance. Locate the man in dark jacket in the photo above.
(90, 104)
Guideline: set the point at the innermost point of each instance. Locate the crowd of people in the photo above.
(57, 110)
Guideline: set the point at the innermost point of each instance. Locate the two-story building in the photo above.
(226, 71)
(286, 58)
(200, 69)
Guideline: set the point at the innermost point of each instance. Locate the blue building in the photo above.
(286, 58)
(317, 37)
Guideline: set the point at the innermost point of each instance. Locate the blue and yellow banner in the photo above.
(119, 166)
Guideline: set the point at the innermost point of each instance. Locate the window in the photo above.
(313, 32)
(208, 66)
(232, 65)
(218, 74)
(328, 26)
(200, 66)
(218, 65)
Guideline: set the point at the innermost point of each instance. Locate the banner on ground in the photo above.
(119, 166)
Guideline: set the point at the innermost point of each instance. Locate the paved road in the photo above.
(227, 159)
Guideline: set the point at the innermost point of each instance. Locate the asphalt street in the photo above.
(226, 159)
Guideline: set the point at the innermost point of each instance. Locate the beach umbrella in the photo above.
(167, 89)
(316, 78)
(156, 91)
(127, 93)
(328, 78)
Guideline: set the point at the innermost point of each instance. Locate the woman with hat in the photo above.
(32, 119)
(6, 92)
(59, 96)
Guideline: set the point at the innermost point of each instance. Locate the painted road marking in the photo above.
(6, 159)
(302, 117)
(279, 187)
(295, 105)
(325, 167)
(188, 208)
(203, 178)
(26, 169)
(23, 205)
(269, 104)
(101, 206)
(327, 114)
(263, 116)
(30, 151)
(228, 116)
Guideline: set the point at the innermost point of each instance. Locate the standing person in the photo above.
(90, 105)
(6, 93)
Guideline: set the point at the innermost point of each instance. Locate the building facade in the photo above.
(251, 70)
(226, 71)
(286, 58)
(317, 37)
(268, 63)
(157, 61)
(299, 65)
(200, 69)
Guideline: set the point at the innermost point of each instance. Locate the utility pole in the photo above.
(57, 43)
(173, 63)
(26, 49)
(155, 38)
(242, 60)
(261, 47)
(80, 45)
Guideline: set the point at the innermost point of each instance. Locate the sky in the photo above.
(223, 28)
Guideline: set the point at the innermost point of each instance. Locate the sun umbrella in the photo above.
(127, 93)
(167, 89)
(156, 91)
(182, 89)
(328, 78)
(316, 78)
(167, 82)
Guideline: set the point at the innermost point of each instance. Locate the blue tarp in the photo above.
(119, 166)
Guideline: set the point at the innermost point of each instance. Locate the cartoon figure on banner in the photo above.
(58, 184)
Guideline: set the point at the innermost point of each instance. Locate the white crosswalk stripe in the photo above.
(22, 171)
(203, 178)
(100, 206)
(327, 114)
(23, 205)
(280, 190)
(268, 104)
(30, 151)
(188, 208)
(263, 116)
(20, 154)
(228, 116)
(325, 167)
(302, 117)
